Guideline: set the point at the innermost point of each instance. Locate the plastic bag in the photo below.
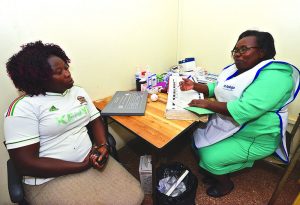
(174, 171)
(165, 185)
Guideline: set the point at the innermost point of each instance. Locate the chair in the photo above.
(14, 179)
(15, 187)
(289, 167)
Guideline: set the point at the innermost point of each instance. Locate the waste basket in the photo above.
(190, 181)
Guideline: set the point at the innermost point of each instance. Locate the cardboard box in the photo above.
(145, 170)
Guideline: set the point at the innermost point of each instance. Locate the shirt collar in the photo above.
(58, 94)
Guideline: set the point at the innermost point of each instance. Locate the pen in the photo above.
(186, 78)
(190, 76)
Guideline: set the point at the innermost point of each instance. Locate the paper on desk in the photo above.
(184, 98)
(199, 110)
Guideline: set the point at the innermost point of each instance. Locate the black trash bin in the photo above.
(191, 182)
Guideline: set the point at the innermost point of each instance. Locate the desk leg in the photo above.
(155, 163)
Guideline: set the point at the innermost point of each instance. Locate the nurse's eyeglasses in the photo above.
(241, 50)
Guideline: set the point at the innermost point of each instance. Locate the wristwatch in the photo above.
(104, 144)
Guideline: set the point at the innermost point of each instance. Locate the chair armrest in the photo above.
(111, 140)
(112, 146)
(15, 186)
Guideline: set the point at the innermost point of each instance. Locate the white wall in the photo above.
(208, 30)
(105, 40)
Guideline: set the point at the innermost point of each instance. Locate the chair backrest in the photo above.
(293, 160)
(15, 186)
(14, 183)
(292, 144)
(293, 141)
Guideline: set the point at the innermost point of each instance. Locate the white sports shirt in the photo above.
(57, 121)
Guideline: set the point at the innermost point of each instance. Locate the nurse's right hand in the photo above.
(186, 84)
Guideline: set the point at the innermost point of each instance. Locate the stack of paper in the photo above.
(178, 100)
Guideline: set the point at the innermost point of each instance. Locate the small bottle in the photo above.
(139, 83)
(138, 76)
(138, 73)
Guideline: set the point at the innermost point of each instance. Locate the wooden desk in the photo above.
(153, 127)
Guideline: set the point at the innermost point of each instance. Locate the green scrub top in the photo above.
(256, 111)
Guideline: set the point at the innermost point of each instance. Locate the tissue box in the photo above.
(145, 170)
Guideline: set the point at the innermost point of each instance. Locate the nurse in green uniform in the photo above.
(250, 112)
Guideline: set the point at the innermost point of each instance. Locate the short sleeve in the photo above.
(20, 125)
(211, 89)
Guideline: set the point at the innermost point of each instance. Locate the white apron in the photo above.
(230, 88)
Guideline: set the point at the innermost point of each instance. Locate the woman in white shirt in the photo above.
(46, 135)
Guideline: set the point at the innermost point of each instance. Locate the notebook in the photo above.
(126, 103)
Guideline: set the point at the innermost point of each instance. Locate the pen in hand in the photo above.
(180, 83)
(191, 78)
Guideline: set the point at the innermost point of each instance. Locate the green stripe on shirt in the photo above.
(21, 141)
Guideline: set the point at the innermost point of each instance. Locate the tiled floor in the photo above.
(252, 186)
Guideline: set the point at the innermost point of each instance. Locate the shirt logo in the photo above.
(53, 108)
(229, 87)
(73, 116)
(81, 99)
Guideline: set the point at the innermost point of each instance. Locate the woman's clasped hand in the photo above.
(99, 155)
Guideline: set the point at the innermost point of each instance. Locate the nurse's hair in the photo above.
(29, 68)
(264, 40)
